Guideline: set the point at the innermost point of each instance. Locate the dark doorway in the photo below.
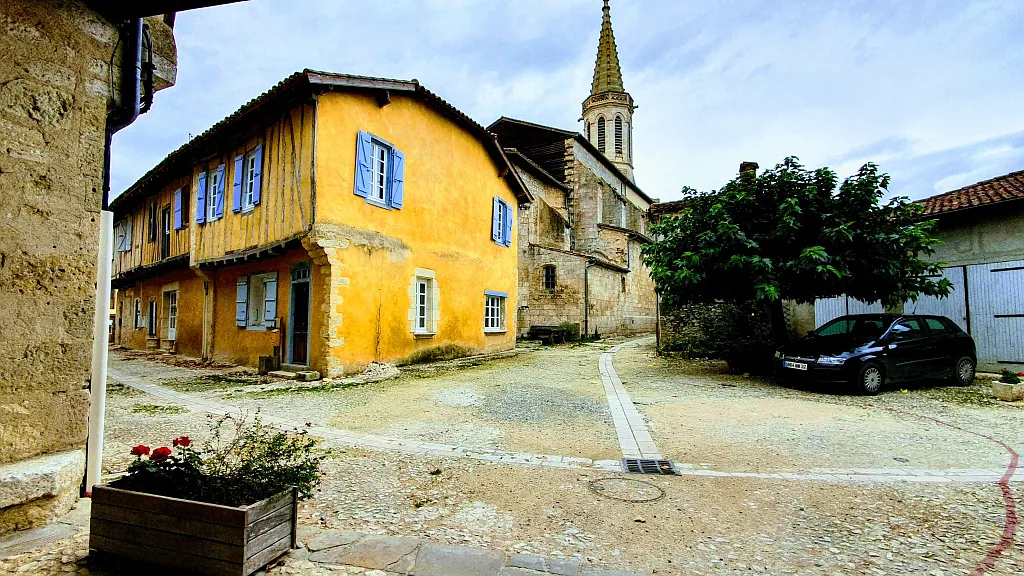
(298, 331)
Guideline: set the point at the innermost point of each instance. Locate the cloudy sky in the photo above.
(932, 91)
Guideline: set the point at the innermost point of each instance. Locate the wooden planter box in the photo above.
(202, 538)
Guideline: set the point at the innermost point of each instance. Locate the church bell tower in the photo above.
(608, 111)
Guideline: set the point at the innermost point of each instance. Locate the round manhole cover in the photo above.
(627, 489)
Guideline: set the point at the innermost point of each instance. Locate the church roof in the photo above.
(607, 73)
(540, 143)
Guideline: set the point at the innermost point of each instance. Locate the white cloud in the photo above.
(931, 92)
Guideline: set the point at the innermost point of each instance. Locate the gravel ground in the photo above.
(493, 404)
(698, 412)
(699, 525)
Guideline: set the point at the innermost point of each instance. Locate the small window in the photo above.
(151, 319)
(380, 172)
(550, 281)
(138, 314)
(494, 312)
(212, 185)
(618, 135)
(262, 297)
(937, 326)
(623, 283)
(424, 309)
(501, 223)
(588, 131)
(249, 181)
(600, 134)
(379, 184)
(165, 236)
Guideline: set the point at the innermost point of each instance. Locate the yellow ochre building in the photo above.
(332, 222)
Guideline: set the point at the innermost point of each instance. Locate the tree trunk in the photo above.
(778, 316)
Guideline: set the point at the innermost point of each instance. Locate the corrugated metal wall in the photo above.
(826, 309)
(996, 297)
(990, 307)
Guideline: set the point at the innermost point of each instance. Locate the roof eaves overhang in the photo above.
(536, 169)
(299, 86)
(584, 142)
(121, 10)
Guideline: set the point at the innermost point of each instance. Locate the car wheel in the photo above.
(963, 371)
(870, 379)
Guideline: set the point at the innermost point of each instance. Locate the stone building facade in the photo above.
(580, 240)
(55, 86)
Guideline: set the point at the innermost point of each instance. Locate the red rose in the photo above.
(160, 454)
(140, 450)
(1021, 374)
(183, 441)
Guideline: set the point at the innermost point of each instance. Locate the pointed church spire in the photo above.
(607, 74)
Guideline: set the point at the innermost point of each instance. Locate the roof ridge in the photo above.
(979, 183)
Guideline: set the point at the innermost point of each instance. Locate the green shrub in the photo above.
(568, 331)
(1007, 377)
(243, 462)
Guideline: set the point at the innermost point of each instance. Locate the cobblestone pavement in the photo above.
(776, 520)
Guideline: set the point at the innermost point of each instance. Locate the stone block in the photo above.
(48, 475)
(391, 553)
(283, 375)
(307, 376)
(333, 539)
(1008, 392)
(441, 560)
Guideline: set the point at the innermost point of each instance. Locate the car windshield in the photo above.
(866, 327)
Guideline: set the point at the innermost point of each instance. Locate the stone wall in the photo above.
(54, 89)
(981, 235)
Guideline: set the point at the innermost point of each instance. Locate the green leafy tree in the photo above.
(794, 234)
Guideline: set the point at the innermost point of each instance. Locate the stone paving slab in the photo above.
(545, 565)
(416, 557)
(444, 560)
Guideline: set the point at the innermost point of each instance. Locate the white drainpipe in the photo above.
(98, 382)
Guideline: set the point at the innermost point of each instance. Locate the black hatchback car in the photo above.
(869, 350)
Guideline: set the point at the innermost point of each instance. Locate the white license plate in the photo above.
(794, 365)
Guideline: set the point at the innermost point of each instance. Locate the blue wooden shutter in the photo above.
(177, 209)
(270, 302)
(496, 220)
(201, 199)
(364, 172)
(236, 185)
(219, 207)
(257, 178)
(241, 300)
(507, 237)
(397, 179)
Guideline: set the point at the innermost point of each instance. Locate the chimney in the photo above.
(748, 167)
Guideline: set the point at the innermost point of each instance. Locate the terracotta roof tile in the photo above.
(999, 189)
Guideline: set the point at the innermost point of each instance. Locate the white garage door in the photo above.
(996, 297)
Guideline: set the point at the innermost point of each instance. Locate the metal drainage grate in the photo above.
(644, 466)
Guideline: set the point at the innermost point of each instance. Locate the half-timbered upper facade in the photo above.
(332, 222)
